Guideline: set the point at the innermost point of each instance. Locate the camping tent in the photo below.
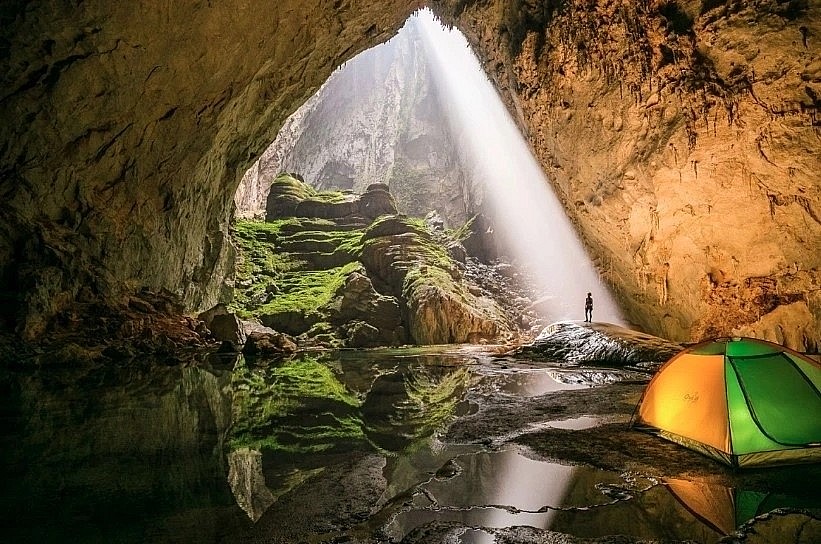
(742, 401)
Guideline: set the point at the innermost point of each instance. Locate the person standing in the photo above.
(588, 308)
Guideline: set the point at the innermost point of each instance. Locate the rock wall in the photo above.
(378, 119)
(126, 129)
(683, 139)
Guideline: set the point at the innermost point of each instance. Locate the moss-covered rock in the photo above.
(326, 280)
(290, 196)
(440, 309)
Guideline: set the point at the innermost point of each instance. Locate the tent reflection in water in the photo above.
(725, 509)
(742, 401)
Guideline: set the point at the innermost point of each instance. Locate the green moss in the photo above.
(259, 266)
(423, 256)
(308, 291)
(270, 279)
(268, 403)
(462, 233)
(288, 187)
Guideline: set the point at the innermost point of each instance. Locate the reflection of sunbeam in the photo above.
(524, 484)
(528, 214)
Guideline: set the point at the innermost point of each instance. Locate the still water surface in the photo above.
(315, 449)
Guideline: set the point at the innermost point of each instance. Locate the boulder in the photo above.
(208, 315)
(268, 343)
(578, 342)
(438, 316)
(362, 335)
(376, 201)
(358, 300)
(228, 328)
(262, 340)
(293, 322)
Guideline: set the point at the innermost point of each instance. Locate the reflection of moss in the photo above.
(302, 406)
(424, 404)
(269, 405)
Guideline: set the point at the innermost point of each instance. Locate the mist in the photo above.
(528, 216)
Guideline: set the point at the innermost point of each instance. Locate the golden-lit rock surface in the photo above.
(683, 138)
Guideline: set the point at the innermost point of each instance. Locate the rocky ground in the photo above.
(491, 421)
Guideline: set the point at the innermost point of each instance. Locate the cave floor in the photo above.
(447, 444)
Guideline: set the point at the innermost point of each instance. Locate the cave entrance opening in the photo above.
(419, 114)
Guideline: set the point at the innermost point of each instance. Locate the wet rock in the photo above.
(362, 335)
(598, 343)
(268, 342)
(227, 328)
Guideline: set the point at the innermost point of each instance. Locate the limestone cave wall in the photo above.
(681, 135)
(127, 126)
(684, 140)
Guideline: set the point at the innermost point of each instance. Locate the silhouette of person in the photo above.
(588, 308)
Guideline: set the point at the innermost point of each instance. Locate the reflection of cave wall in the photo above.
(681, 136)
(68, 433)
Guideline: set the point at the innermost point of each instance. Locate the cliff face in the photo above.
(378, 119)
(682, 137)
(683, 140)
(126, 129)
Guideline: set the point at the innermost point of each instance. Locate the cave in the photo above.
(681, 138)
(681, 143)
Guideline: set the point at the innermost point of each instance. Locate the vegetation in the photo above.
(291, 273)
(268, 404)
(270, 280)
(462, 233)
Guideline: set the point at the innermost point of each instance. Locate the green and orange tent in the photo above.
(743, 401)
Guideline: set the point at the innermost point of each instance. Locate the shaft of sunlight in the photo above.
(532, 222)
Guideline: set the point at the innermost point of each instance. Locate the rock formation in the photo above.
(681, 135)
(127, 129)
(338, 269)
(378, 119)
(683, 140)
(599, 343)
